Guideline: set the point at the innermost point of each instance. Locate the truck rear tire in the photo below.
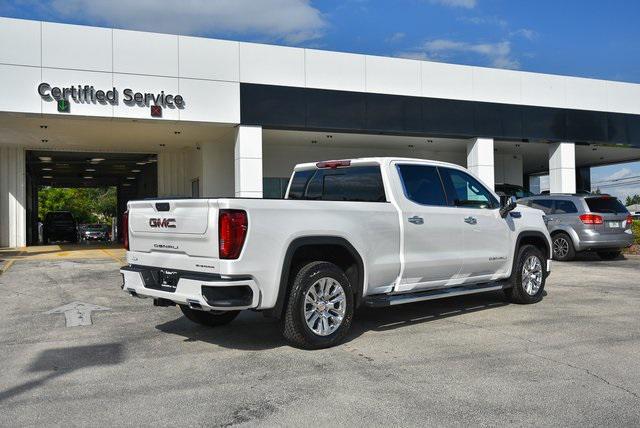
(320, 308)
(209, 318)
(528, 276)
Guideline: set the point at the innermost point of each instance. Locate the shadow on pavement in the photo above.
(251, 331)
(61, 361)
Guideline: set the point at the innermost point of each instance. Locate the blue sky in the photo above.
(589, 38)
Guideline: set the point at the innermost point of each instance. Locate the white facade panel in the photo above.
(209, 59)
(145, 53)
(66, 78)
(396, 76)
(271, 65)
(19, 42)
(623, 98)
(172, 174)
(12, 197)
(543, 90)
(448, 81)
(334, 70)
(144, 84)
(210, 101)
(76, 47)
(498, 86)
(586, 94)
(248, 162)
(18, 86)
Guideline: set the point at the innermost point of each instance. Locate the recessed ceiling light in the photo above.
(131, 178)
(62, 165)
(162, 144)
(135, 170)
(44, 140)
(47, 176)
(97, 159)
(47, 169)
(153, 160)
(90, 170)
(411, 146)
(177, 132)
(43, 126)
(126, 184)
(45, 158)
(88, 177)
(141, 163)
(429, 141)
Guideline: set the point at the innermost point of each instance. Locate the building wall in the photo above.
(12, 197)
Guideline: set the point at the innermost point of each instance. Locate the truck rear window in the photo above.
(605, 205)
(356, 184)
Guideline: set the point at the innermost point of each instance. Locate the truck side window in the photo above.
(546, 205)
(465, 191)
(422, 184)
(355, 184)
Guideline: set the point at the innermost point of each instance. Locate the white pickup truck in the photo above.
(374, 232)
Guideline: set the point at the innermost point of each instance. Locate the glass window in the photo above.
(565, 207)
(605, 204)
(357, 184)
(465, 191)
(422, 184)
(299, 183)
(274, 187)
(546, 205)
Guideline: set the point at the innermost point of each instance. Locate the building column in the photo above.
(13, 213)
(480, 160)
(562, 168)
(172, 174)
(248, 162)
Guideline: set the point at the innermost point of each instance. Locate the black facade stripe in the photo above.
(283, 107)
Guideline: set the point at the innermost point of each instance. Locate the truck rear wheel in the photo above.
(320, 309)
(209, 318)
(528, 276)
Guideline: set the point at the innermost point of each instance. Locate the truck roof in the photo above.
(374, 161)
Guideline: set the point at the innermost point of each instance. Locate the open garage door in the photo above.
(128, 175)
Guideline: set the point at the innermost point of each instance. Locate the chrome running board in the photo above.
(381, 300)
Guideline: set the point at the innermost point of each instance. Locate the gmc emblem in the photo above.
(162, 222)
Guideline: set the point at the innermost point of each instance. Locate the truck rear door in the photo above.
(184, 226)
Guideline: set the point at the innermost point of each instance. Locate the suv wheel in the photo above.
(563, 249)
(609, 255)
(528, 276)
(320, 307)
(209, 318)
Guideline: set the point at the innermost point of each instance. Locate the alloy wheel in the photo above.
(324, 306)
(532, 275)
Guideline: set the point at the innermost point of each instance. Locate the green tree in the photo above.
(88, 205)
(631, 200)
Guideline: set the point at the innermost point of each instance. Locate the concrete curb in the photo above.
(5, 265)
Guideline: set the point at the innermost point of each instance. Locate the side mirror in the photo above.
(507, 204)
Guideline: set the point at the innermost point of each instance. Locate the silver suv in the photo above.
(578, 223)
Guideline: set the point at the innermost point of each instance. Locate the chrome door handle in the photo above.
(470, 220)
(416, 220)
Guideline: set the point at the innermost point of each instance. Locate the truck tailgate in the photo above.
(183, 226)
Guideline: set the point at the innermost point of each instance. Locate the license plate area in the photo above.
(161, 279)
(614, 224)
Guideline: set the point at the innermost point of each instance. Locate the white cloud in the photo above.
(484, 20)
(495, 54)
(467, 4)
(395, 37)
(624, 172)
(292, 21)
(525, 33)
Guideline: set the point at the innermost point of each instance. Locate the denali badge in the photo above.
(162, 222)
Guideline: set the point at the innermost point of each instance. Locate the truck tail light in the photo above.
(333, 164)
(232, 230)
(629, 220)
(591, 219)
(125, 230)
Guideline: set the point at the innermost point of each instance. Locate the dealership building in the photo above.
(167, 115)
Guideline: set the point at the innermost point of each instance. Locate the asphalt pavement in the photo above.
(571, 360)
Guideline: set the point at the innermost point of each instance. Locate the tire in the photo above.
(609, 255)
(562, 247)
(330, 322)
(518, 292)
(210, 319)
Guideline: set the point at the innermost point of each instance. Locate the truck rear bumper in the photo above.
(194, 289)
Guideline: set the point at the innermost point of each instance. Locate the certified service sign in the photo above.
(88, 94)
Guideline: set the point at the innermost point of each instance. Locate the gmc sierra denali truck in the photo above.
(373, 232)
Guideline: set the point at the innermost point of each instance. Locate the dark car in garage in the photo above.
(59, 226)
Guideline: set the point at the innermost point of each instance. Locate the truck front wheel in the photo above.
(210, 319)
(320, 310)
(528, 276)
